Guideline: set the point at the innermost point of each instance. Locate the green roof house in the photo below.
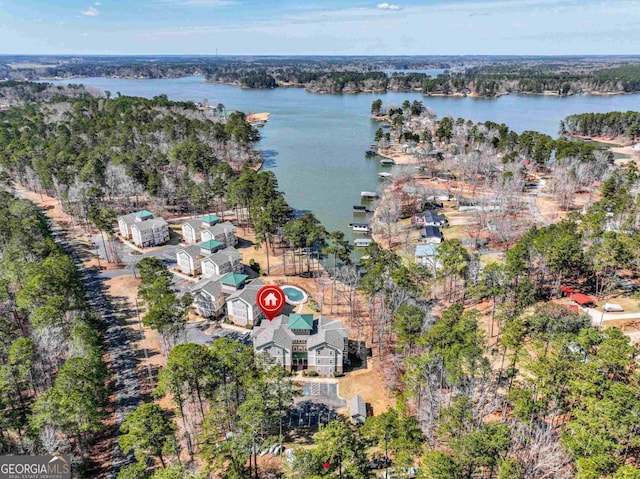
(210, 220)
(234, 280)
(300, 323)
(210, 246)
(143, 215)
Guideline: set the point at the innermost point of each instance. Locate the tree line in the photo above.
(53, 389)
(612, 124)
(120, 151)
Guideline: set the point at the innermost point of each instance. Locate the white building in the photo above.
(222, 262)
(223, 232)
(208, 298)
(426, 255)
(191, 230)
(242, 307)
(300, 342)
(189, 260)
(151, 232)
(125, 222)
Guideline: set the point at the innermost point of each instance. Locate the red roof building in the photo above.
(584, 300)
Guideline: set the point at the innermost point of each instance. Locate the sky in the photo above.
(330, 27)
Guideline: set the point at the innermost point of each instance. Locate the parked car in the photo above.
(613, 308)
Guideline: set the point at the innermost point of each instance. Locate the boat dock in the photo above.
(385, 176)
(368, 195)
(387, 162)
(360, 227)
(359, 209)
(362, 242)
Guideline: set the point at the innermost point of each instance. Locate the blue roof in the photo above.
(210, 245)
(143, 213)
(210, 218)
(426, 249)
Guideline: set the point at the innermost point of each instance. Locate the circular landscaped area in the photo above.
(294, 295)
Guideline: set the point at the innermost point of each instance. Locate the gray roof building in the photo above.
(150, 224)
(357, 410)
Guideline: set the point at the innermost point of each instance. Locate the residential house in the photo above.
(151, 232)
(426, 256)
(357, 410)
(210, 247)
(208, 298)
(300, 342)
(242, 307)
(125, 222)
(429, 218)
(189, 259)
(226, 260)
(328, 347)
(223, 232)
(431, 234)
(191, 229)
(233, 281)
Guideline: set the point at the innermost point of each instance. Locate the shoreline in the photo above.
(381, 91)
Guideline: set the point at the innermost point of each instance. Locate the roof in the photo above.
(233, 279)
(330, 332)
(431, 216)
(213, 288)
(582, 299)
(195, 224)
(357, 407)
(211, 244)
(431, 232)
(150, 224)
(143, 213)
(423, 250)
(300, 321)
(273, 332)
(130, 218)
(225, 255)
(222, 228)
(193, 250)
(327, 331)
(210, 218)
(567, 289)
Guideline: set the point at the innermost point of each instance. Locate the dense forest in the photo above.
(52, 378)
(612, 124)
(92, 149)
(16, 93)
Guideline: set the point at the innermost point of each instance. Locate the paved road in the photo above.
(123, 362)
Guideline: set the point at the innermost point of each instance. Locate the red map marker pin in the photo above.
(270, 300)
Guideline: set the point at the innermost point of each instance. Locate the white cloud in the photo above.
(91, 12)
(98, 3)
(388, 6)
(203, 3)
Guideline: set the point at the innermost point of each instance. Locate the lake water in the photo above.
(315, 143)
